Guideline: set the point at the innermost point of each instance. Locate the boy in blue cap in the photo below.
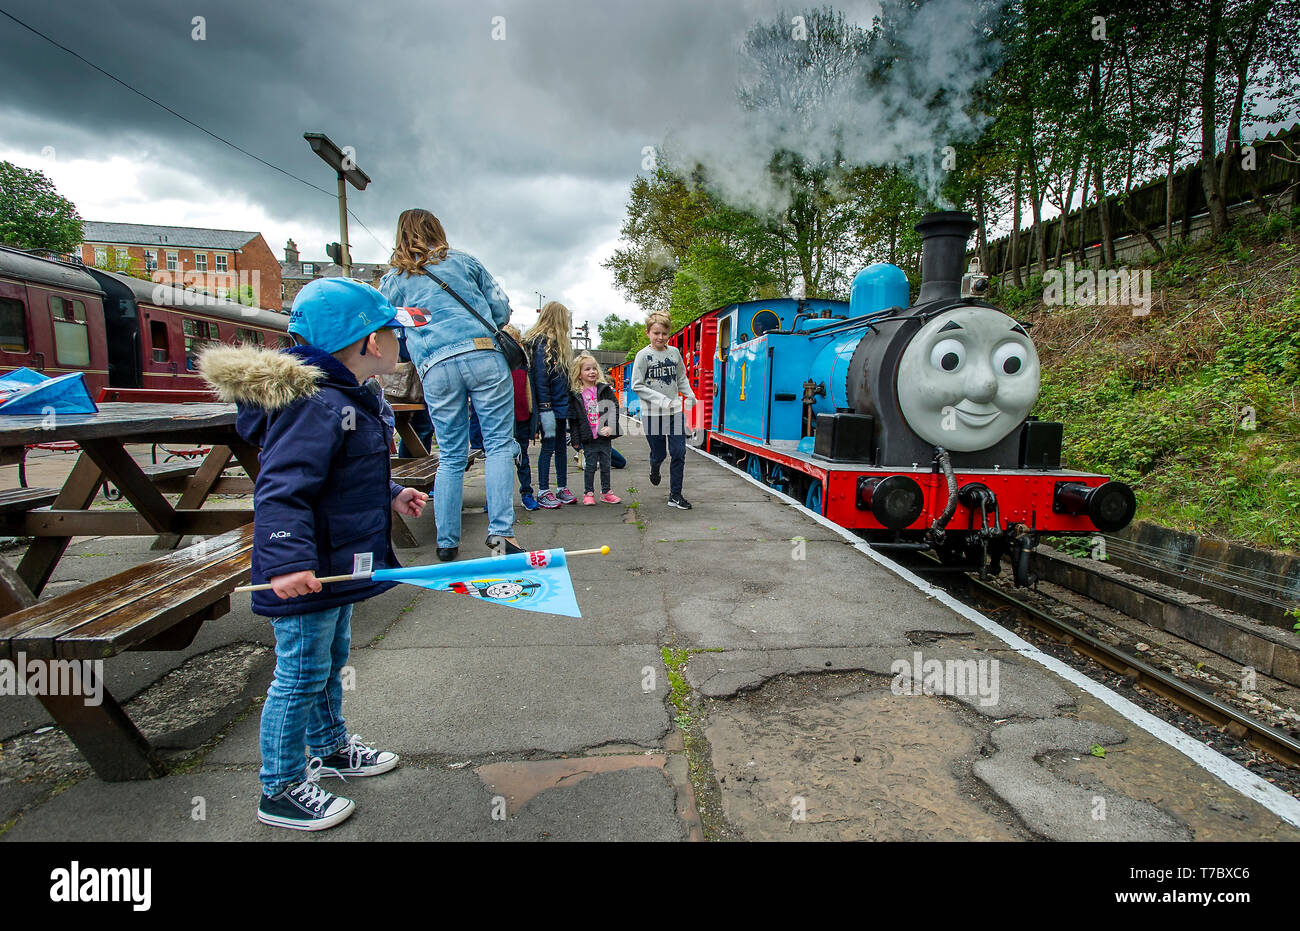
(322, 506)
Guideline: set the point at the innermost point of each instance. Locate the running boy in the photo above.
(593, 410)
(658, 377)
(322, 505)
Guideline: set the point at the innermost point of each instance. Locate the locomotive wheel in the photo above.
(754, 466)
(776, 478)
(813, 499)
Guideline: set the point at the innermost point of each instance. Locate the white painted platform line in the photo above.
(1234, 774)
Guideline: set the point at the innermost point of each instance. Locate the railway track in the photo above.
(1250, 731)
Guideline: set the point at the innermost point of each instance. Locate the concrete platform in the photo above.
(740, 671)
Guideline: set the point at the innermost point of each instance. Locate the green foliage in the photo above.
(1203, 421)
(33, 215)
(121, 263)
(619, 335)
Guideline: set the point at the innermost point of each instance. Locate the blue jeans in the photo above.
(475, 430)
(524, 467)
(557, 447)
(483, 377)
(304, 705)
(667, 431)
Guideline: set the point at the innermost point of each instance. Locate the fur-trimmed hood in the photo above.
(256, 377)
(266, 382)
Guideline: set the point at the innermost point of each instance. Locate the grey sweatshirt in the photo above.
(658, 378)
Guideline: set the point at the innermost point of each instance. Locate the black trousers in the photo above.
(596, 452)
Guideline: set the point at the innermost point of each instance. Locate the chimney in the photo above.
(943, 249)
(291, 251)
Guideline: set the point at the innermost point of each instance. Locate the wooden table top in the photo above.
(116, 419)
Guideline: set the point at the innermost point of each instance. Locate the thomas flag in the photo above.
(534, 581)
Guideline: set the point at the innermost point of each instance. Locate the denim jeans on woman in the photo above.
(483, 377)
(304, 705)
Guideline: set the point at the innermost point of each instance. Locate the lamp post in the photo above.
(345, 167)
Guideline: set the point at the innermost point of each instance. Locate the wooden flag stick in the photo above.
(597, 551)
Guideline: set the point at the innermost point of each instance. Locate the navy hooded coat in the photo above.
(324, 490)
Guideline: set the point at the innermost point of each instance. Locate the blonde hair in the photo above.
(554, 324)
(514, 331)
(421, 241)
(659, 317)
(575, 371)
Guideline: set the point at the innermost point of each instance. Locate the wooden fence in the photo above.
(1142, 213)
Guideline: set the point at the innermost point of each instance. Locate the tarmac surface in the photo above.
(741, 671)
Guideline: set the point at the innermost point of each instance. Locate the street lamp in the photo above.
(346, 168)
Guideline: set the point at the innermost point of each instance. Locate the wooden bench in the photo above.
(159, 605)
(412, 473)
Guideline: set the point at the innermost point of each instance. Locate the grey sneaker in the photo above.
(547, 499)
(566, 497)
(305, 806)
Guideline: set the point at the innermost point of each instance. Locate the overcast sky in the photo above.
(524, 146)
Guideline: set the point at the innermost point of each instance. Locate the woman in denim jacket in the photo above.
(457, 361)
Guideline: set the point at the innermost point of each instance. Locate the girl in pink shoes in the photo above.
(593, 418)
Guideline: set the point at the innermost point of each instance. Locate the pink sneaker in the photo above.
(589, 498)
(610, 498)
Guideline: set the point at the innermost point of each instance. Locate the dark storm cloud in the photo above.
(525, 147)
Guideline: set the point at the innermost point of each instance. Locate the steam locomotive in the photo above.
(907, 422)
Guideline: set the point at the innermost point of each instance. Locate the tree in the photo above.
(619, 335)
(33, 215)
(120, 262)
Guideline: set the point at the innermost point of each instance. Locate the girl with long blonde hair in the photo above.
(551, 348)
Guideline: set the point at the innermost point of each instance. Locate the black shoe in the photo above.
(677, 501)
(356, 759)
(654, 473)
(305, 806)
(503, 547)
(447, 553)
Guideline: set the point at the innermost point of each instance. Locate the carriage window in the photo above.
(71, 338)
(724, 338)
(197, 333)
(249, 337)
(158, 340)
(13, 325)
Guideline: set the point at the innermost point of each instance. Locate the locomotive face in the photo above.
(968, 378)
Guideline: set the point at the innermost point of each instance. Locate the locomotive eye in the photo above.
(948, 355)
(1009, 358)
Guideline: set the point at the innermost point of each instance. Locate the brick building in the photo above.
(220, 262)
(295, 273)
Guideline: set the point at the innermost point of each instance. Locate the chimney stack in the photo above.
(944, 235)
(291, 251)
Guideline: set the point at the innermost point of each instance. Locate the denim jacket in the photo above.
(451, 329)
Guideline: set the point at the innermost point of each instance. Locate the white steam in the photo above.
(819, 103)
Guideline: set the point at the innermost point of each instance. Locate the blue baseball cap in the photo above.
(331, 313)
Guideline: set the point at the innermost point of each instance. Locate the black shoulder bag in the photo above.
(509, 346)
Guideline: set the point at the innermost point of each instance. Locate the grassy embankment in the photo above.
(1197, 405)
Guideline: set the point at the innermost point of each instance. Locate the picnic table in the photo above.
(55, 515)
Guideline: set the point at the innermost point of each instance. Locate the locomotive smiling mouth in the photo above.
(973, 415)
